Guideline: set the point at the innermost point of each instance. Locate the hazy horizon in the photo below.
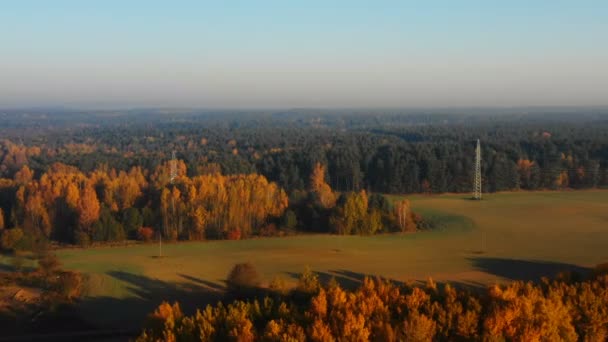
(277, 55)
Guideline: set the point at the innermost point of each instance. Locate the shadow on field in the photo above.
(353, 280)
(347, 279)
(147, 294)
(526, 270)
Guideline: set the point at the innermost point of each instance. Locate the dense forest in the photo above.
(387, 152)
(81, 177)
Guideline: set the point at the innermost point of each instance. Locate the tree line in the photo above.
(387, 153)
(380, 310)
(67, 205)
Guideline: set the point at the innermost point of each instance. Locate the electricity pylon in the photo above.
(477, 179)
(173, 166)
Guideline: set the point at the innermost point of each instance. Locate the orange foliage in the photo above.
(322, 190)
(405, 216)
(88, 207)
(382, 311)
(562, 180)
(145, 233)
(24, 176)
(235, 206)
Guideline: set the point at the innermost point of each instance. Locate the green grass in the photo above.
(504, 236)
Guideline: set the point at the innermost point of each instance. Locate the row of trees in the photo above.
(379, 310)
(67, 205)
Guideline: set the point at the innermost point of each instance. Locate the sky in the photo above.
(315, 54)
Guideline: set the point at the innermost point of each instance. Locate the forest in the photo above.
(563, 309)
(85, 177)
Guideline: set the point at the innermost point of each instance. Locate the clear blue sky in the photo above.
(303, 53)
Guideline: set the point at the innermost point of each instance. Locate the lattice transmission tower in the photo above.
(173, 168)
(477, 177)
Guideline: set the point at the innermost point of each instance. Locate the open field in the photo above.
(505, 236)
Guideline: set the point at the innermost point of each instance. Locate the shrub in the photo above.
(243, 276)
(309, 281)
(145, 234)
(279, 286)
(234, 234)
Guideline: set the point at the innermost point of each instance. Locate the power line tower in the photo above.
(477, 179)
(173, 168)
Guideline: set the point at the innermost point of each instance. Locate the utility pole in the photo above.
(477, 178)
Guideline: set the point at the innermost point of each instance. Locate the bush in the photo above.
(145, 234)
(234, 234)
(242, 277)
(279, 286)
(309, 281)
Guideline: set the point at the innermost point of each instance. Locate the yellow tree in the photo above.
(404, 215)
(320, 189)
(24, 176)
(198, 218)
(37, 215)
(72, 195)
(127, 190)
(355, 212)
(88, 207)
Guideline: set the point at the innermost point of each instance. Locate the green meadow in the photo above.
(506, 236)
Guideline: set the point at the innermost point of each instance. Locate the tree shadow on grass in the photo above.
(353, 280)
(346, 279)
(526, 270)
(146, 294)
(210, 285)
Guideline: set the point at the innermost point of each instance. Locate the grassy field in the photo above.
(506, 236)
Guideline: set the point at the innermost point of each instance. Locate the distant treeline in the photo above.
(387, 152)
(85, 177)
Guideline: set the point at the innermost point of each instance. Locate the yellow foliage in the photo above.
(320, 189)
(378, 311)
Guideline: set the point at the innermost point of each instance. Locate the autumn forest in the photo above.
(76, 180)
(85, 178)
